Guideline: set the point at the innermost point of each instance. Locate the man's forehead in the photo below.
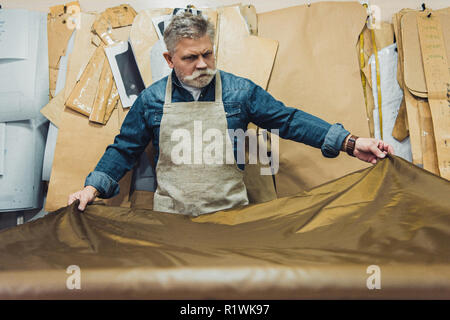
(193, 46)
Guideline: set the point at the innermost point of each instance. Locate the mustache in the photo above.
(198, 73)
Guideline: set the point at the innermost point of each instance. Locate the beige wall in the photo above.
(387, 7)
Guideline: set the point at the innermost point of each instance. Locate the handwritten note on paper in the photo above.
(13, 34)
(437, 78)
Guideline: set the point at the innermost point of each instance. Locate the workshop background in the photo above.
(370, 66)
(44, 142)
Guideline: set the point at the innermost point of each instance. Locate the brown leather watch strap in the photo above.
(350, 147)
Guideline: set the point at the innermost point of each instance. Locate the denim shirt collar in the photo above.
(180, 94)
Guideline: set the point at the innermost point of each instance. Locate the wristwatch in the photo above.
(350, 146)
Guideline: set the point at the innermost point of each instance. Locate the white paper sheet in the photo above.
(24, 83)
(125, 71)
(52, 135)
(159, 66)
(49, 152)
(2, 147)
(62, 73)
(391, 98)
(14, 34)
(21, 184)
(160, 24)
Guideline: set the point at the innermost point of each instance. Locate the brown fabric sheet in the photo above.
(315, 244)
(316, 70)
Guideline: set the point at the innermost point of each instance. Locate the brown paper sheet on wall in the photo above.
(85, 96)
(79, 147)
(423, 126)
(428, 144)
(315, 244)
(401, 127)
(84, 93)
(103, 94)
(59, 31)
(251, 18)
(248, 67)
(364, 54)
(317, 70)
(83, 49)
(413, 64)
(213, 17)
(113, 102)
(251, 57)
(81, 143)
(411, 104)
(142, 37)
(431, 26)
(414, 122)
(239, 52)
(95, 40)
(120, 16)
(111, 18)
(52, 111)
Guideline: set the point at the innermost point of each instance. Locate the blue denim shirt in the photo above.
(244, 102)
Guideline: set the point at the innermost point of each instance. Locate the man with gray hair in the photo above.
(187, 103)
(191, 28)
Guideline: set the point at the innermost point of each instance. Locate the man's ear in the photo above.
(168, 58)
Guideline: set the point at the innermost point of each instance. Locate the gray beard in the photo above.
(196, 81)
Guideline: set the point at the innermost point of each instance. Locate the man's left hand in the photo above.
(370, 150)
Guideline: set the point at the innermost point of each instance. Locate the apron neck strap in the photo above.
(168, 97)
(218, 93)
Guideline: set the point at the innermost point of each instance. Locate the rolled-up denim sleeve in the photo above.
(333, 140)
(121, 156)
(294, 124)
(105, 185)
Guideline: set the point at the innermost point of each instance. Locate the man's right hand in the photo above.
(86, 196)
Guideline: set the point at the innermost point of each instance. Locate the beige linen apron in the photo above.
(196, 186)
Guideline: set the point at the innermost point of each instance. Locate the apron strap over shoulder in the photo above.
(168, 96)
(218, 87)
